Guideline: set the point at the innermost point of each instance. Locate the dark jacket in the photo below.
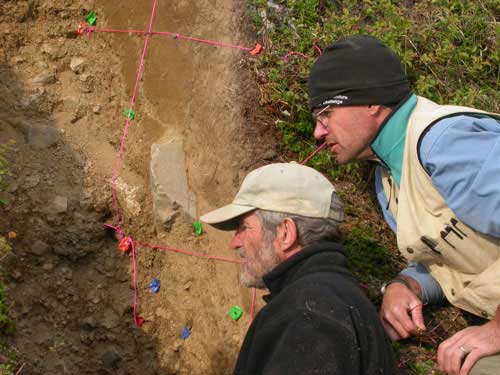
(317, 321)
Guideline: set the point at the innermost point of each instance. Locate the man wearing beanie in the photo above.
(317, 319)
(438, 183)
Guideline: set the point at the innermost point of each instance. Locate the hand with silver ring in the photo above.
(463, 350)
(459, 353)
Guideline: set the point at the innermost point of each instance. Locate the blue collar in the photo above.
(389, 143)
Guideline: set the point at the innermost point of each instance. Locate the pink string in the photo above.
(285, 58)
(192, 253)
(127, 123)
(136, 318)
(317, 48)
(89, 29)
(321, 147)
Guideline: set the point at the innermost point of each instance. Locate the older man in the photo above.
(438, 183)
(317, 319)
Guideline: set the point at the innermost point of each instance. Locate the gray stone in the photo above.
(110, 320)
(39, 248)
(88, 323)
(270, 154)
(45, 78)
(47, 266)
(66, 272)
(31, 181)
(77, 65)
(42, 136)
(52, 51)
(96, 109)
(171, 193)
(58, 205)
(110, 359)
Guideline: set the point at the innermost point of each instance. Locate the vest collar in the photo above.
(389, 143)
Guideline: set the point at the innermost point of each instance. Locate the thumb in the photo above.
(417, 316)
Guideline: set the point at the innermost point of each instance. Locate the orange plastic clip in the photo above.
(81, 28)
(257, 49)
(124, 244)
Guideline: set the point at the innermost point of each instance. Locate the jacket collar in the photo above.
(389, 143)
(318, 257)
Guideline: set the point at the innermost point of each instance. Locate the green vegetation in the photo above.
(4, 166)
(370, 262)
(6, 324)
(449, 49)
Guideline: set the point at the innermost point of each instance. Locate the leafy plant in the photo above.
(448, 48)
(4, 165)
(7, 326)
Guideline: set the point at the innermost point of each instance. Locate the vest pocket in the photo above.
(458, 250)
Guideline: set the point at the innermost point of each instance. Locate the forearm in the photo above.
(422, 284)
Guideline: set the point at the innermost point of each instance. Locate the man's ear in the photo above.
(379, 111)
(286, 241)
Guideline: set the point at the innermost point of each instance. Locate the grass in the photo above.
(4, 167)
(450, 52)
(7, 326)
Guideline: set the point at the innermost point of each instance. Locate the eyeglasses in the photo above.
(322, 115)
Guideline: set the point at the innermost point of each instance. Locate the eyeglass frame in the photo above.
(322, 116)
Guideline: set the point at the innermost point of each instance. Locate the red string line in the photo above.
(193, 253)
(127, 123)
(285, 58)
(321, 147)
(136, 320)
(89, 29)
(171, 249)
(317, 48)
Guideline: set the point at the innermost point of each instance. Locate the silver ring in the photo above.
(463, 350)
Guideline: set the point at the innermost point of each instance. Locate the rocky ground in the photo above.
(62, 98)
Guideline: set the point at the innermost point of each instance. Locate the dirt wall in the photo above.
(63, 98)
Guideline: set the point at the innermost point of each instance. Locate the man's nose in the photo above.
(320, 131)
(236, 241)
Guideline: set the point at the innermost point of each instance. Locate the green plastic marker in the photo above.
(91, 18)
(130, 113)
(235, 313)
(197, 228)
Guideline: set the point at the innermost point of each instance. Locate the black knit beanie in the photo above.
(357, 70)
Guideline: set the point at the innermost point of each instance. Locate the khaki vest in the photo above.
(464, 262)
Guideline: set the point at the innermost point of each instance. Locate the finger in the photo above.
(417, 316)
(442, 355)
(450, 342)
(450, 361)
(393, 335)
(469, 362)
(398, 326)
(455, 360)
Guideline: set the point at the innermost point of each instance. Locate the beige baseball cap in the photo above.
(282, 187)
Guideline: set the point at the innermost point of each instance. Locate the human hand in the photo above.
(401, 312)
(460, 352)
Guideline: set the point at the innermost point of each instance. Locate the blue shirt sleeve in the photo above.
(431, 290)
(462, 156)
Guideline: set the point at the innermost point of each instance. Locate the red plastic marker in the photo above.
(256, 50)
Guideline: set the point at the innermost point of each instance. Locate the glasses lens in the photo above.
(322, 115)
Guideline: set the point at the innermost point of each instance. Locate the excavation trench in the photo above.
(191, 142)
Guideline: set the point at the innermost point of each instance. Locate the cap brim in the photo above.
(224, 218)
